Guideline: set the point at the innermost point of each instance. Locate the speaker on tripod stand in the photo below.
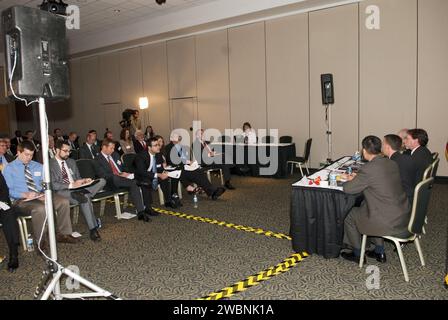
(327, 88)
(36, 67)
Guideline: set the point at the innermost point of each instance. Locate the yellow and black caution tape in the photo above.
(220, 223)
(254, 280)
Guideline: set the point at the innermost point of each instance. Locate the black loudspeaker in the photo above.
(35, 43)
(327, 88)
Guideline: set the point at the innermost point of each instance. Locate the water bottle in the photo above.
(195, 201)
(332, 178)
(356, 156)
(29, 244)
(98, 223)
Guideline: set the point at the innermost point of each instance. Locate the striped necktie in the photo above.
(29, 180)
(65, 178)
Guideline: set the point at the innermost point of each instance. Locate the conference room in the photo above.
(224, 150)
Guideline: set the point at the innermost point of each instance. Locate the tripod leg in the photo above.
(54, 282)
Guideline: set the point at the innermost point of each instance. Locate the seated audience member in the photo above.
(136, 123)
(17, 139)
(65, 175)
(391, 149)
(89, 150)
(139, 142)
(177, 156)
(96, 142)
(208, 158)
(126, 143)
(73, 141)
(51, 148)
(29, 135)
(109, 135)
(249, 134)
(385, 210)
(150, 173)
(5, 158)
(11, 153)
(24, 179)
(149, 133)
(57, 134)
(161, 143)
(8, 219)
(403, 134)
(416, 142)
(109, 167)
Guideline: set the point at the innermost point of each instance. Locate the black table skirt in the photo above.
(317, 220)
(284, 153)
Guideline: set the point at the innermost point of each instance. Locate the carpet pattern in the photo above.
(174, 258)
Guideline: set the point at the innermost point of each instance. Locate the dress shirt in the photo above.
(67, 169)
(14, 175)
(113, 161)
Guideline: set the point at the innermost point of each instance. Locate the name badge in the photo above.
(119, 162)
(159, 165)
(37, 173)
(128, 147)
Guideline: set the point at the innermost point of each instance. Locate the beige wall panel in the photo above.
(90, 108)
(112, 116)
(183, 112)
(213, 80)
(181, 68)
(334, 49)
(76, 97)
(287, 77)
(432, 113)
(110, 78)
(130, 78)
(155, 84)
(247, 75)
(388, 68)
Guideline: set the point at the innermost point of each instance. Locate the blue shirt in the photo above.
(14, 175)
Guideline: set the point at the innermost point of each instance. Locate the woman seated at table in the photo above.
(126, 142)
(250, 137)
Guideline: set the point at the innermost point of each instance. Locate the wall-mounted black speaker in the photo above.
(36, 48)
(327, 88)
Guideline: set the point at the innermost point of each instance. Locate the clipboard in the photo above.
(85, 185)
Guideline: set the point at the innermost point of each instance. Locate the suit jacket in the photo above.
(73, 144)
(15, 141)
(84, 152)
(422, 158)
(143, 163)
(56, 173)
(138, 146)
(202, 157)
(4, 191)
(385, 210)
(104, 170)
(407, 173)
(8, 158)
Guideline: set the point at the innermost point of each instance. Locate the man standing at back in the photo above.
(385, 210)
(416, 141)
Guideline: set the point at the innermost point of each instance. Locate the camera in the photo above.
(53, 6)
(127, 115)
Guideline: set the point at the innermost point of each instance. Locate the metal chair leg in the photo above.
(209, 176)
(363, 250)
(307, 168)
(102, 207)
(419, 250)
(161, 196)
(125, 201)
(117, 206)
(301, 171)
(179, 190)
(292, 167)
(403, 263)
(19, 222)
(222, 176)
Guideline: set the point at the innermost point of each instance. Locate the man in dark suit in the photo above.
(150, 173)
(65, 175)
(8, 218)
(416, 141)
(89, 150)
(177, 156)
(392, 144)
(109, 167)
(5, 158)
(385, 210)
(139, 142)
(73, 141)
(208, 158)
(17, 139)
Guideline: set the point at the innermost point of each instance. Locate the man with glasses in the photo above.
(5, 158)
(24, 179)
(65, 177)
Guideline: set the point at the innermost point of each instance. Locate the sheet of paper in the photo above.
(39, 196)
(191, 167)
(4, 206)
(82, 186)
(174, 174)
(131, 176)
(127, 215)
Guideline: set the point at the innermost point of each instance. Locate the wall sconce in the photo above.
(143, 103)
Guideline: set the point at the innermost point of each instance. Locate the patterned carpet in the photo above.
(175, 258)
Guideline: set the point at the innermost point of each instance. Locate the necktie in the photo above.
(91, 151)
(65, 178)
(113, 167)
(144, 145)
(29, 180)
(155, 181)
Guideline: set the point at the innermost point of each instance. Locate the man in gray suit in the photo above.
(385, 210)
(65, 175)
